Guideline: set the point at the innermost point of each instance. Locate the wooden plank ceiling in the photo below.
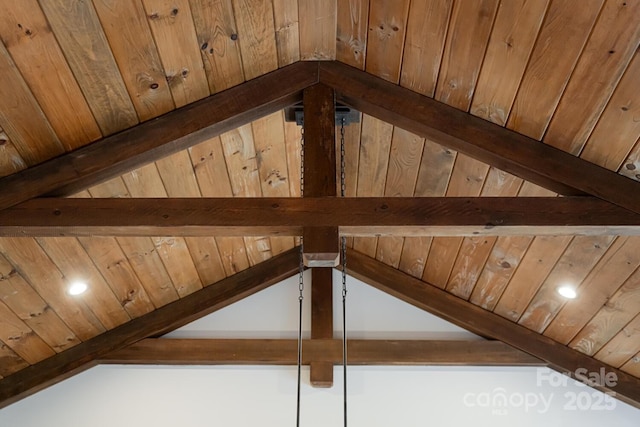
(75, 72)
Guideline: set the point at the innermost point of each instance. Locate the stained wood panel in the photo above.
(20, 338)
(604, 59)
(618, 127)
(317, 29)
(135, 52)
(213, 179)
(256, 34)
(404, 161)
(285, 15)
(426, 34)
(623, 346)
(562, 37)
(26, 34)
(375, 144)
(512, 38)
(92, 62)
(385, 42)
(576, 262)
(615, 267)
(621, 308)
(10, 159)
(40, 272)
(11, 362)
(352, 24)
(464, 51)
(22, 119)
(631, 167)
(218, 40)
(32, 309)
(172, 26)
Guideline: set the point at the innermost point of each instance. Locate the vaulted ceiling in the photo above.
(460, 101)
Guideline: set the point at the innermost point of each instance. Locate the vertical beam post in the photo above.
(321, 244)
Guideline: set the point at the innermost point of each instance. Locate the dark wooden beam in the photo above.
(165, 319)
(158, 138)
(320, 244)
(486, 323)
(320, 372)
(284, 352)
(478, 138)
(444, 216)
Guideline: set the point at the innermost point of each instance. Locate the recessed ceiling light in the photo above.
(77, 288)
(567, 291)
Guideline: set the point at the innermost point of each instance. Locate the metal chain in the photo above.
(343, 244)
(300, 283)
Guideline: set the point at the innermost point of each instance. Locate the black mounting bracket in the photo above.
(344, 115)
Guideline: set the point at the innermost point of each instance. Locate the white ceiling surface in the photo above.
(265, 396)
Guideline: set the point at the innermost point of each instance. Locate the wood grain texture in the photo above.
(135, 51)
(218, 40)
(284, 352)
(321, 373)
(256, 34)
(564, 33)
(374, 96)
(20, 338)
(21, 117)
(172, 26)
(613, 269)
(618, 127)
(83, 356)
(385, 42)
(631, 167)
(464, 50)
(32, 309)
(623, 346)
(604, 59)
(424, 44)
(92, 62)
(318, 22)
(573, 266)
(285, 18)
(352, 31)
(43, 276)
(177, 130)
(27, 35)
(10, 160)
(512, 39)
(480, 321)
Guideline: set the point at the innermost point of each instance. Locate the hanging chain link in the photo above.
(300, 282)
(343, 247)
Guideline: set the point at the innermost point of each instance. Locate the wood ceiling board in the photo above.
(352, 31)
(217, 36)
(11, 362)
(564, 33)
(477, 320)
(427, 28)
(618, 127)
(27, 35)
(631, 167)
(10, 160)
(487, 142)
(31, 308)
(177, 130)
(256, 36)
(356, 215)
(284, 352)
(22, 118)
(385, 41)
(623, 346)
(613, 269)
(317, 29)
(602, 63)
(20, 338)
(92, 63)
(464, 51)
(285, 19)
(83, 356)
(512, 39)
(136, 54)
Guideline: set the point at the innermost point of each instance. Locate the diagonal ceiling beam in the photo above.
(507, 150)
(164, 319)
(287, 216)
(485, 323)
(150, 141)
